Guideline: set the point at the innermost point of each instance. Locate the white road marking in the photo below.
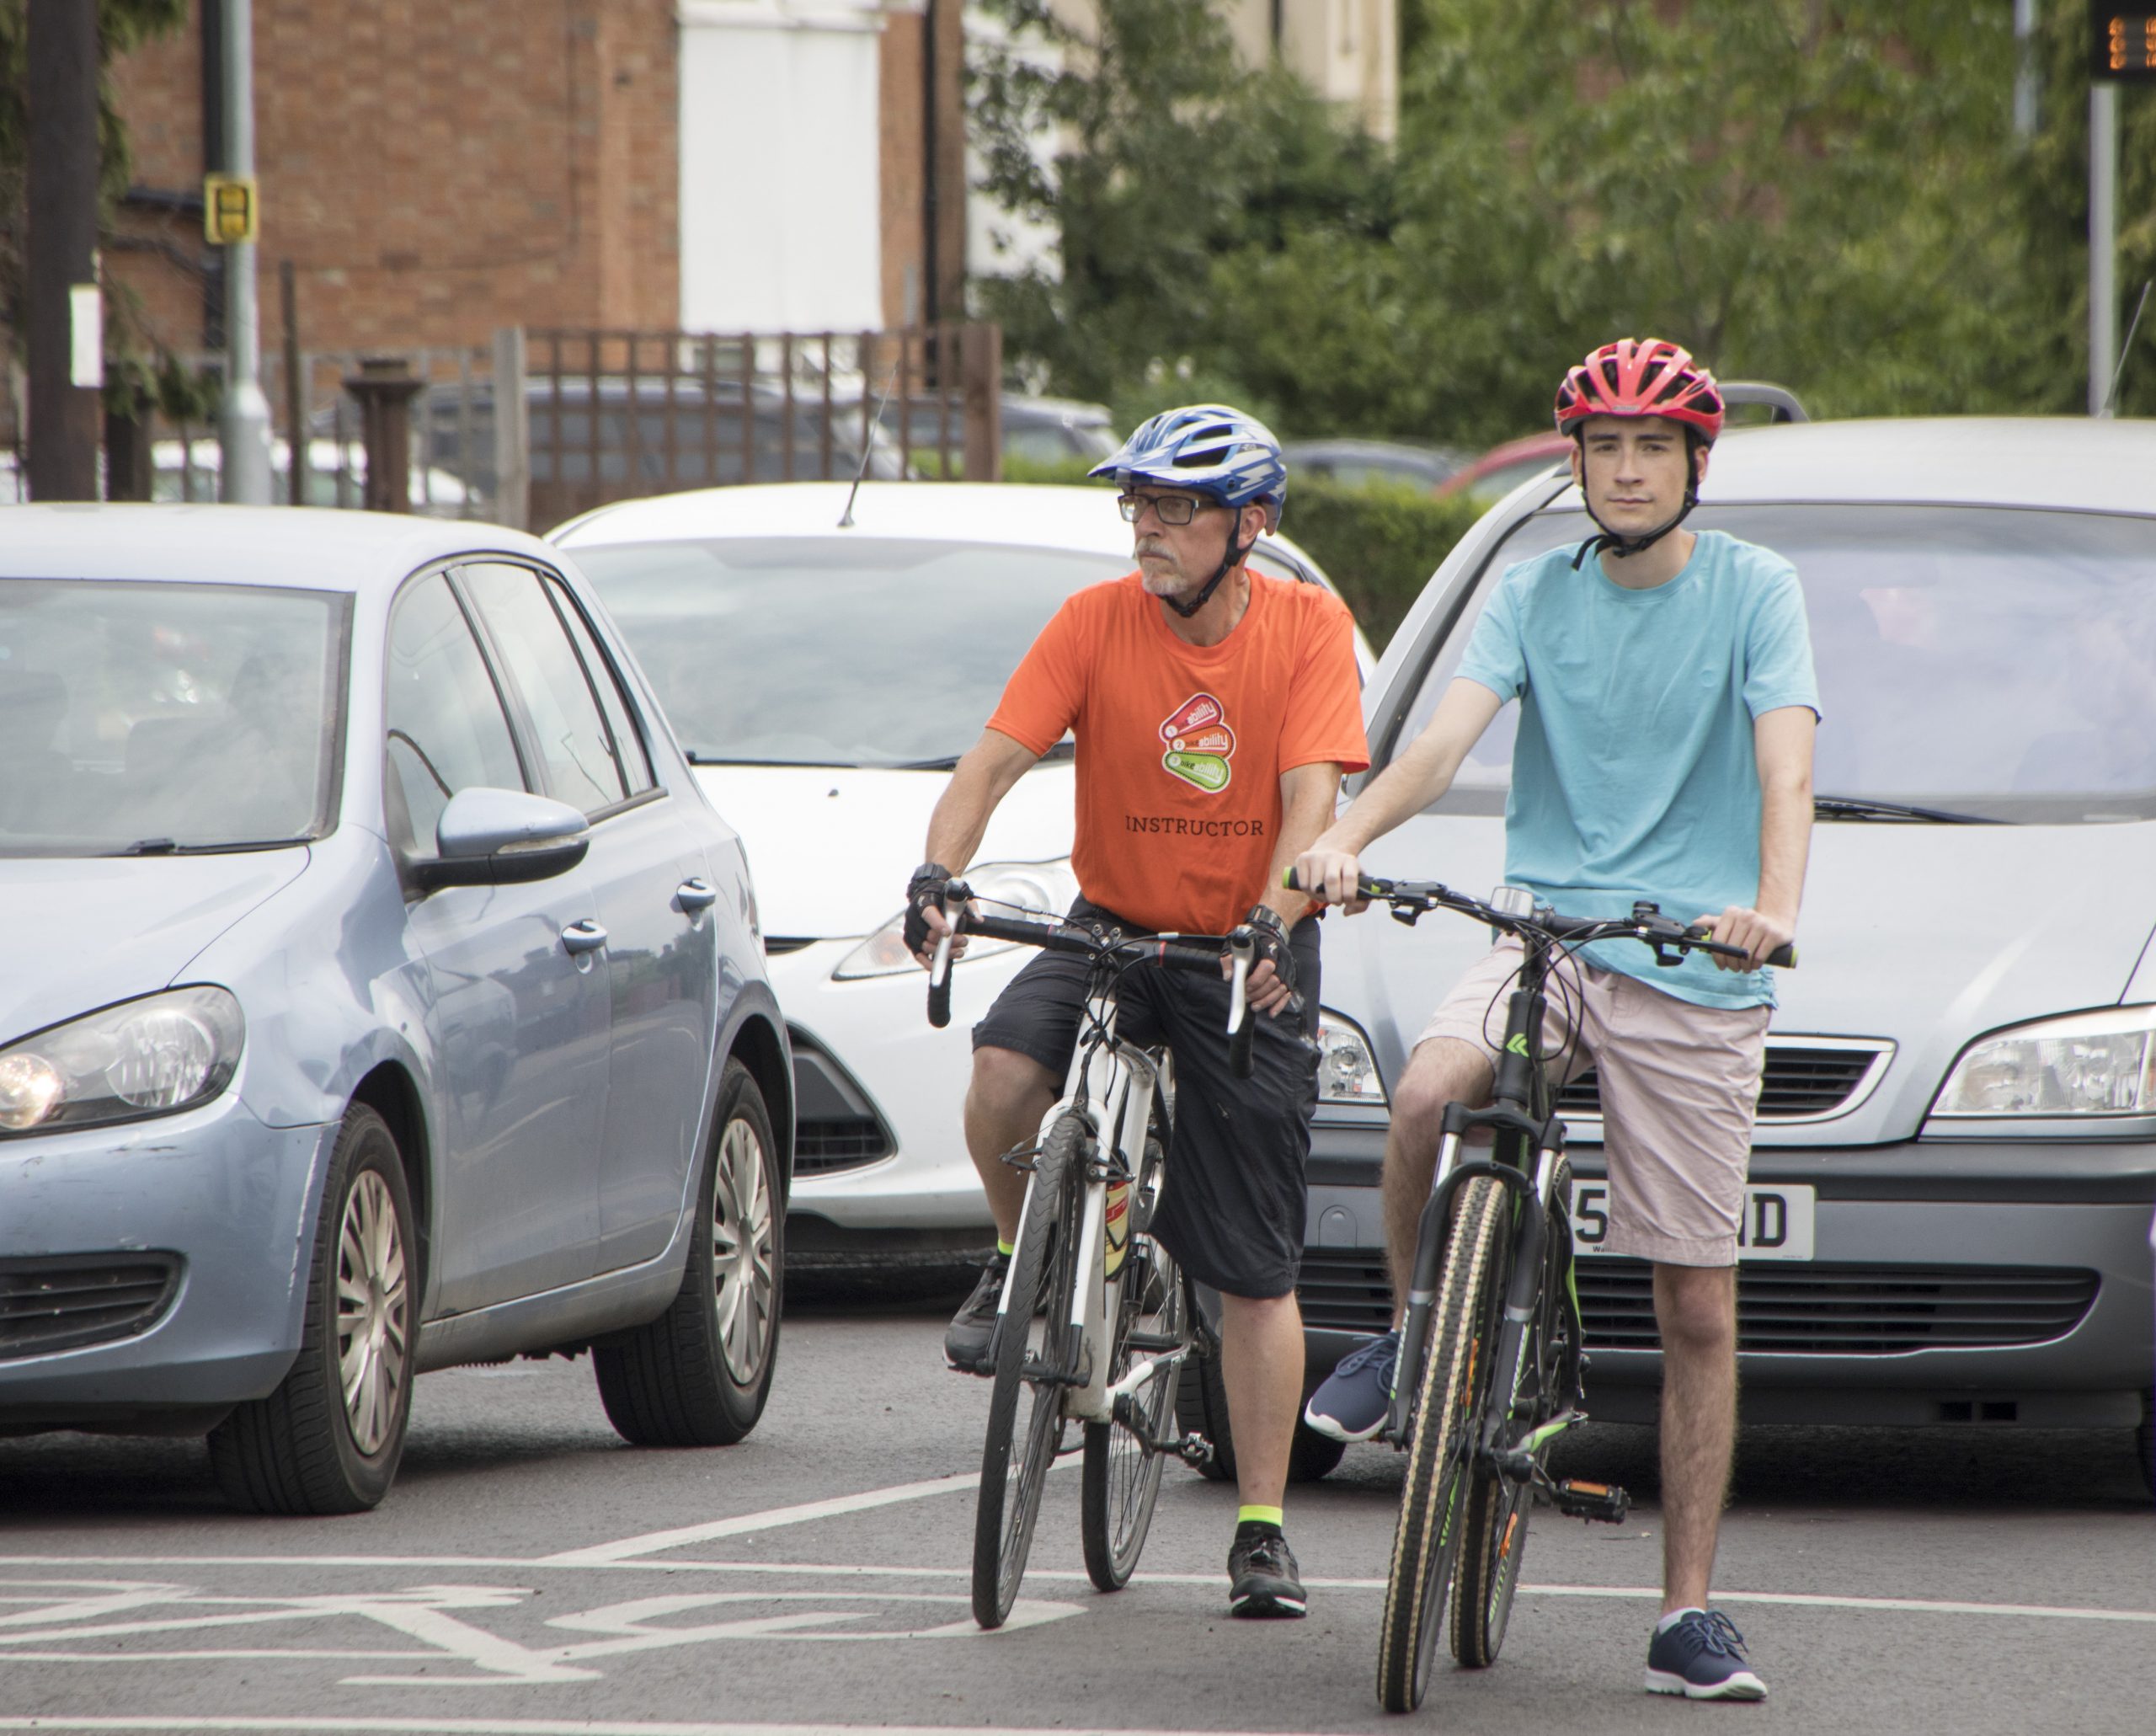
(839, 1570)
(651, 1542)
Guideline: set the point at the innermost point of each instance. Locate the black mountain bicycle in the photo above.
(1490, 1366)
(1095, 1320)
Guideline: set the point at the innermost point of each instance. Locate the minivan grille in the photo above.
(70, 1301)
(1800, 1081)
(1794, 1307)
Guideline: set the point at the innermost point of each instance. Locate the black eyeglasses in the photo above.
(1169, 509)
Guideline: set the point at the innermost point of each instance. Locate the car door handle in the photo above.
(695, 896)
(585, 936)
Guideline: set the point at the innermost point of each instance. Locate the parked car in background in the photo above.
(824, 677)
(383, 995)
(1954, 1160)
(1504, 468)
(1358, 463)
(193, 470)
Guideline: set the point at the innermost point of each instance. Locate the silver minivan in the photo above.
(1955, 1163)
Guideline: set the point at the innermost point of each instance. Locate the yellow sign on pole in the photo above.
(228, 210)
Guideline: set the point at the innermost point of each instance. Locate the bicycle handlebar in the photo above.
(1410, 899)
(1179, 952)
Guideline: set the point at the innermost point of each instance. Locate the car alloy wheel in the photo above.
(373, 1304)
(744, 1251)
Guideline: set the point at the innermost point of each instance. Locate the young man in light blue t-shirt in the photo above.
(1666, 713)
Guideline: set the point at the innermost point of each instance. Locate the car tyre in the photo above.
(699, 1374)
(328, 1440)
(1202, 1406)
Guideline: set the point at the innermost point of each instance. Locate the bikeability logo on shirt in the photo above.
(1200, 744)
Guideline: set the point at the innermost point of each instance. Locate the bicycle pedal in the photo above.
(1601, 1501)
(1195, 1451)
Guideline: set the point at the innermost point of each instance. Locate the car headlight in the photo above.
(1035, 888)
(1346, 1071)
(2087, 1064)
(153, 1056)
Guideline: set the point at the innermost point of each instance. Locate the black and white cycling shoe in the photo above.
(1263, 1581)
(965, 1345)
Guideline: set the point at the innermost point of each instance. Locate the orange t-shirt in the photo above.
(1181, 747)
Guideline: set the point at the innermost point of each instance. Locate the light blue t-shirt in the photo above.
(1634, 774)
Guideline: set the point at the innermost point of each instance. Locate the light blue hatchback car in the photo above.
(383, 994)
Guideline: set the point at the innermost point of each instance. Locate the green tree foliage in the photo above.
(1828, 193)
(122, 25)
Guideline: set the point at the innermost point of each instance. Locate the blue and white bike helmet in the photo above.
(1209, 449)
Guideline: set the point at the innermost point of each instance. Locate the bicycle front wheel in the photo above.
(1493, 1535)
(1025, 1407)
(1443, 1421)
(1122, 1472)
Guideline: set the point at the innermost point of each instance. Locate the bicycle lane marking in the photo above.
(428, 1614)
(839, 1570)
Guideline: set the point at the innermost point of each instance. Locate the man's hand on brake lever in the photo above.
(925, 925)
(1267, 988)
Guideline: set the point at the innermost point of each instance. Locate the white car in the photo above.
(824, 666)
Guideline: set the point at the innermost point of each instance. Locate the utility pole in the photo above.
(243, 416)
(64, 317)
(2122, 47)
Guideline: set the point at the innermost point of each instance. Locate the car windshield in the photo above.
(1986, 661)
(158, 719)
(833, 651)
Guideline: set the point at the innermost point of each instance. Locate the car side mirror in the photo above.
(502, 838)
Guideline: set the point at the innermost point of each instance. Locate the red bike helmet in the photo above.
(1646, 376)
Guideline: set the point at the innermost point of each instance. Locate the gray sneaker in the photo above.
(1357, 1396)
(965, 1345)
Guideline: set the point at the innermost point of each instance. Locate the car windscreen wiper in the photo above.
(170, 847)
(1065, 749)
(1863, 808)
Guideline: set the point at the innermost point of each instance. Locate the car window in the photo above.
(606, 682)
(162, 719)
(577, 752)
(832, 650)
(1988, 660)
(1041, 442)
(445, 725)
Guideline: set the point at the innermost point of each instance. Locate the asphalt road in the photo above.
(529, 1574)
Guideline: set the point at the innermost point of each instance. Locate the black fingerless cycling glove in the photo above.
(925, 888)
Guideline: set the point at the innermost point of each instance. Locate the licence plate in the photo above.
(1776, 1224)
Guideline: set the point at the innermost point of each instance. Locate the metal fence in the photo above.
(542, 425)
(614, 414)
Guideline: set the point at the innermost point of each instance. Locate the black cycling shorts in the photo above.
(1233, 1211)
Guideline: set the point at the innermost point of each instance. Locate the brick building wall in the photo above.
(433, 169)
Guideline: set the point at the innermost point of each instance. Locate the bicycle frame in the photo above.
(1519, 1107)
(1112, 1084)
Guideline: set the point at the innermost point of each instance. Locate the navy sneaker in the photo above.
(1701, 1656)
(965, 1345)
(1352, 1403)
(1263, 1579)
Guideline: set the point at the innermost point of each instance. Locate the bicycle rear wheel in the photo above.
(1025, 1408)
(1122, 1473)
(1493, 1535)
(1443, 1421)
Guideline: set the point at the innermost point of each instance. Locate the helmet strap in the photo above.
(1627, 546)
(1233, 558)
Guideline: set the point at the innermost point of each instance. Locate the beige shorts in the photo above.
(1679, 1083)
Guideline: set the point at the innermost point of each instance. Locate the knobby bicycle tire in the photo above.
(1122, 1475)
(1041, 1276)
(1442, 1420)
(1493, 1533)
